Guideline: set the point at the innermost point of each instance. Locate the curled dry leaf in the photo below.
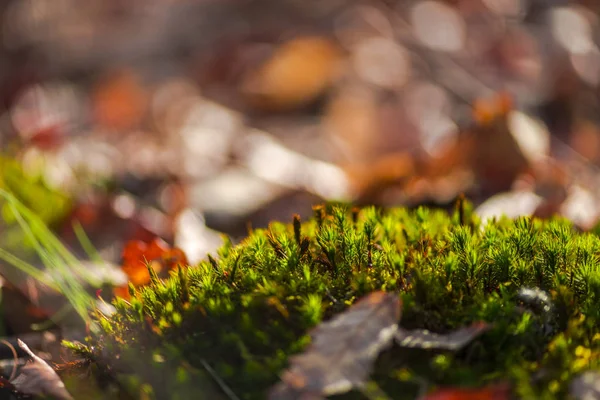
(455, 340)
(38, 378)
(342, 350)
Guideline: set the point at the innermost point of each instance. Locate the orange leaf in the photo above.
(488, 109)
(156, 249)
(122, 291)
(137, 255)
(119, 101)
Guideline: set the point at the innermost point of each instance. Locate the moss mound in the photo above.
(226, 327)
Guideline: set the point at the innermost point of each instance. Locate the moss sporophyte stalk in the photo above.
(225, 328)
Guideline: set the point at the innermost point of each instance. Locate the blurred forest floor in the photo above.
(184, 119)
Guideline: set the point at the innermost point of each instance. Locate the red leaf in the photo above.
(494, 392)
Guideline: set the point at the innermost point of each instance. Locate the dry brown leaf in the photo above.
(497, 158)
(38, 378)
(585, 140)
(342, 351)
(369, 179)
(351, 120)
(298, 72)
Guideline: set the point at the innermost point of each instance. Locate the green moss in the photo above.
(49, 205)
(241, 314)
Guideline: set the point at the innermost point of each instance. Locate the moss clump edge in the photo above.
(226, 327)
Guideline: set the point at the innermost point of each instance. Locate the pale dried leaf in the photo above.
(510, 204)
(571, 29)
(455, 340)
(536, 299)
(381, 62)
(438, 26)
(531, 135)
(194, 237)
(38, 378)
(342, 351)
(586, 386)
(581, 207)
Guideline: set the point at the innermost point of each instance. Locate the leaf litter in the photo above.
(344, 349)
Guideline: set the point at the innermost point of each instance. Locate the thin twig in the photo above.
(226, 389)
(15, 356)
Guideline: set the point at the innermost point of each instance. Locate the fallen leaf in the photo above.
(455, 340)
(298, 72)
(580, 207)
(498, 156)
(38, 378)
(530, 134)
(438, 26)
(494, 392)
(571, 29)
(43, 112)
(369, 179)
(511, 204)
(119, 100)
(492, 148)
(586, 386)
(382, 62)
(585, 140)
(351, 121)
(536, 299)
(270, 160)
(137, 254)
(342, 350)
(193, 236)
(486, 110)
